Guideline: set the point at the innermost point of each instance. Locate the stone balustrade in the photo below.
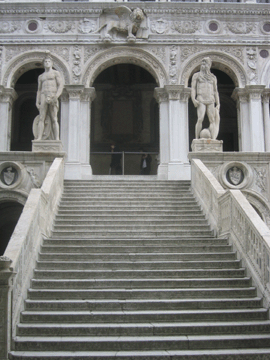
(34, 224)
(230, 214)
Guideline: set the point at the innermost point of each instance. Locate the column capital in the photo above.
(89, 94)
(266, 95)
(177, 92)
(255, 91)
(240, 95)
(160, 94)
(74, 91)
(7, 95)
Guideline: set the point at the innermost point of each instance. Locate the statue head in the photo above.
(47, 61)
(206, 64)
(137, 15)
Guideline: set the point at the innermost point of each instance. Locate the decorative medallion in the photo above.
(9, 176)
(160, 26)
(87, 26)
(235, 175)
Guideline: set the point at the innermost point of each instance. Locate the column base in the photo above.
(207, 145)
(78, 171)
(179, 171)
(47, 146)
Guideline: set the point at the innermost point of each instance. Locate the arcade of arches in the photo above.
(124, 112)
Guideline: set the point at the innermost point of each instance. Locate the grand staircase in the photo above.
(133, 271)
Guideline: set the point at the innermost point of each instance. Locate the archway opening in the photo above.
(10, 212)
(125, 114)
(24, 110)
(228, 131)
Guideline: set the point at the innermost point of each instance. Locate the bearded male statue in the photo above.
(205, 97)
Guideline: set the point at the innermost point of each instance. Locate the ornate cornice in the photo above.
(64, 9)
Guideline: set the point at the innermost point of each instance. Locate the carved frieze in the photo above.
(186, 27)
(7, 27)
(59, 27)
(158, 51)
(90, 51)
(240, 27)
(191, 50)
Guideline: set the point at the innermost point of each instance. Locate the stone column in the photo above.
(266, 118)
(256, 117)
(6, 276)
(242, 99)
(7, 98)
(76, 134)
(162, 98)
(179, 167)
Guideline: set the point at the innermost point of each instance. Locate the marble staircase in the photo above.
(133, 271)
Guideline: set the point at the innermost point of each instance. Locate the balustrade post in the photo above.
(6, 277)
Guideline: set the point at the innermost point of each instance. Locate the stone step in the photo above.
(120, 196)
(209, 354)
(113, 207)
(136, 343)
(143, 305)
(142, 274)
(139, 283)
(108, 217)
(138, 265)
(128, 212)
(136, 256)
(104, 233)
(129, 294)
(133, 249)
(144, 316)
(127, 222)
(118, 202)
(138, 242)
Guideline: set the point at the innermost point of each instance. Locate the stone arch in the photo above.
(120, 55)
(28, 61)
(259, 204)
(221, 61)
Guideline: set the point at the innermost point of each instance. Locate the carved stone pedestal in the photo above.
(207, 145)
(47, 146)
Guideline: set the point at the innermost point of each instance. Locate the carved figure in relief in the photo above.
(50, 87)
(205, 97)
(129, 22)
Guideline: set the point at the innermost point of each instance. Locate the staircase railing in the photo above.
(35, 222)
(230, 214)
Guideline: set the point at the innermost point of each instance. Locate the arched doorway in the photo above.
(24, 110)
(10, 212)
(228, 131)
(124, 113)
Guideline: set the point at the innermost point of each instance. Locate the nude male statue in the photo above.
(204, 95)
(50, 87)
